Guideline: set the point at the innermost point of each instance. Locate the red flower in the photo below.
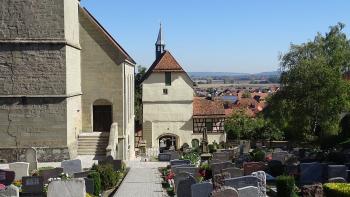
(2, 187)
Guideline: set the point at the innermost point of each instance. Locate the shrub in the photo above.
(212, 148)
(285, 186)
(97, 182)
(337, 189)
(258, 155)
(192, 156)
(109, 177)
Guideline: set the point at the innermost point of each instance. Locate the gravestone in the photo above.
(337, 171)
(83, 174)
(231, 152)
(275, 168)
(249, 191)
(179, 162)
(72, 166)
(245, 146)
(10, 191)
(7, 177)
(221, 156)
(280, 156)
(250, 167)
(225, 192)
(184, 187)
(89, 185)
(31, 158)
(217, 168)
(164, 157)
(261, 183)
(201, 189)
(32, 186)
(311, 173)
(174, 155)
(179, 177)
(67, 188)
(21, 169)
(234, 172)
(50, 173)
(242, 181)
(337, 180)
(191, 170)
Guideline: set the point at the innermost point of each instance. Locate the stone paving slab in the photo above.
(143, 180)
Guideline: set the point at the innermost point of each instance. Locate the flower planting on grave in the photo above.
(336, 189)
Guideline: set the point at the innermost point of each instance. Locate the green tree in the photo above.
(313, 92)
(240, 125)
(141, 71)
(246, 94)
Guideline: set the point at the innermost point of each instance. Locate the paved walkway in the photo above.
(143, 180)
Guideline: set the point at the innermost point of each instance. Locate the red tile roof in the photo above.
(166, 62)
(204, 107)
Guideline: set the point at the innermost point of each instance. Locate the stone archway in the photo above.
(168, 142)
(102, 115)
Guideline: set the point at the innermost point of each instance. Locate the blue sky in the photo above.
(221, 35)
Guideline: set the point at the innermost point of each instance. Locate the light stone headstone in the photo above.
(31, 158)
(21, 169)
(72, 166)
(10, 191)
(184, 187)
(225, 192)
(221, 156)
(249, 191)
(261, 175)
(337, 180)
(67, 188)
(280, 156)
(201, 189)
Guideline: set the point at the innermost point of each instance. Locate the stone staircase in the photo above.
(93, 143)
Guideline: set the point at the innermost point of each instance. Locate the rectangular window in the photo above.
(168, 78)
(209, 125)
(165, 91)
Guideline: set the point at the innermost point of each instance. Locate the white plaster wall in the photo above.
(73, 71)
(171, 113)
(74, 122)
(180, 89)
(128, 103)
(217, 137)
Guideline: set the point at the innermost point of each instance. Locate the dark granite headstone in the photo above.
(250, 167)
(164, 156)
(89, 185)
(201, 189)
(218, 167)
(234, 172)
(311, 173)
(116, 163)
(243, 181)
(179, 162)
(81, 174)
(32, 186)
(337, 171)
(51, 173)
(6, 177)
(184, 187)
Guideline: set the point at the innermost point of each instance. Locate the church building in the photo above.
(172, 115)
(66, 85)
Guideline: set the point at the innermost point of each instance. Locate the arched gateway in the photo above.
(167, 142)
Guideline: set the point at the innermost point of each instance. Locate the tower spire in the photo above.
(160, 44)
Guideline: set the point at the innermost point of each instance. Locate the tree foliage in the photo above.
(313, 91)
(138, 94)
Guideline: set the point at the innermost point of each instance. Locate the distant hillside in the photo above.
(231, 74)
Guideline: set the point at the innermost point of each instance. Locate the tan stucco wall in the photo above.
(171, 113)
(101, 75)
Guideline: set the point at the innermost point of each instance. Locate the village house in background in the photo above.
(172, 115)
(66, 86)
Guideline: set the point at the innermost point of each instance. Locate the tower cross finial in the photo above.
(160, 44)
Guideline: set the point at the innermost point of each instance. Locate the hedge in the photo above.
(285, 186)
(336, 189)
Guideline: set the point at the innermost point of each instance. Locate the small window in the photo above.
(209, 126)
(165, 91)
(168, 78)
